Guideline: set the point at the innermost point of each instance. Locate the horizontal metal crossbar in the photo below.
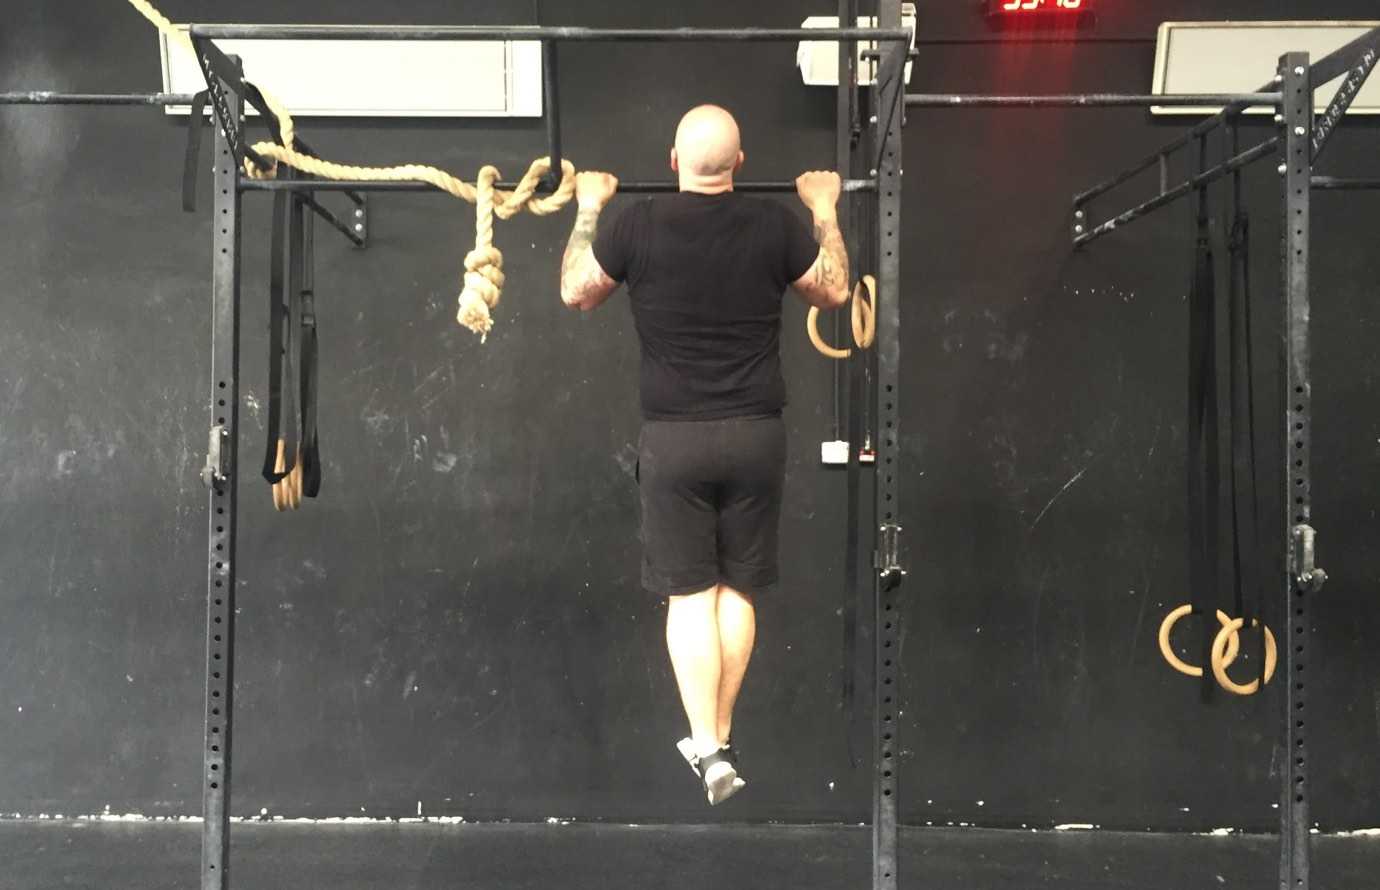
(519, 32)
(1337, 184)
(1086, 100)
(43, 97)
(631, 187)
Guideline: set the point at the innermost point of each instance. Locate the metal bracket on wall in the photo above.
(216, 470)
(889, 569)
(1306, 572)
(359, 220)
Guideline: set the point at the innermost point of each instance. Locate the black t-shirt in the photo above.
(706, 274)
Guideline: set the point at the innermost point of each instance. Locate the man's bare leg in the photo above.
(692, 638)
(737, 632)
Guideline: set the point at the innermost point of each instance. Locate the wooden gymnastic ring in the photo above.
(1167, 627)
(812, 328)
(278, 463)
(287, 492)
(292, 486)
(864, 321)
(1220, 662)
(865, 312)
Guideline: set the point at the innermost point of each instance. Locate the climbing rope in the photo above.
(864, 316)
(484, 264)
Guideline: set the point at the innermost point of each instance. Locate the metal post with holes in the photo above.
(220, 476)
(1302, 579)
(890, 111)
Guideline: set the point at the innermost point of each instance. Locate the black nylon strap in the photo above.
(193, 158)
(292, 418)
(311, 454)
(276, 324)
(254, 97)
(1203, 425)
(1246, 534)
(854, 590)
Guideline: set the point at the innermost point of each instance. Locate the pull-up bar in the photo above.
(44, 97)
(644, 187)
(518, 32)
(1088, 100)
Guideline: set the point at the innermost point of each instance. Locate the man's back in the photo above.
(706, 274)
(706, 269)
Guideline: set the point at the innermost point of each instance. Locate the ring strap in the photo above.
(275, 468)
(311, 449)
(1245, 495)
(1203, 425)
(192, 161)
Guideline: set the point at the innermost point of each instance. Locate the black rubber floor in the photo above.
(287, 856)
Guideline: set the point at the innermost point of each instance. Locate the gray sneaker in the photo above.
(716, 772)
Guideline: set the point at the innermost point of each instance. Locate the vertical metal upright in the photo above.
(1301, 579)
(220, 476)
(889, 111)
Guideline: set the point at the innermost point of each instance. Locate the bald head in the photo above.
(707, 143)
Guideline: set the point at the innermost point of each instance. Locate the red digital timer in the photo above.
(1028, 7)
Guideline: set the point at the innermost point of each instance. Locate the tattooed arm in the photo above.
(584, 283)
(825, 284)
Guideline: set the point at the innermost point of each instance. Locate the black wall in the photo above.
(456, 624)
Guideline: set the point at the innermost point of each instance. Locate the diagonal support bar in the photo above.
(1251, 155)
(225, 79)
(1356, 78)
(1339, 61)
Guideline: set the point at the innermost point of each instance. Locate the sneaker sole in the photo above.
(723, 788)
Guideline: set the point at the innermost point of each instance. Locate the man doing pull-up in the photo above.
(706, 269)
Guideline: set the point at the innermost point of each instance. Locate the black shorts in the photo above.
(711, 503)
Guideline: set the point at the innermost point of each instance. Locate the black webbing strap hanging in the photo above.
(279, 338)
(292, 347)
(255, 97)
(311, 454)
(193, 157)
(1245, 500)
(1203, 425)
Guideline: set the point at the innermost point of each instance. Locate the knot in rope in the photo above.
(483, 287)
(484, 264)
